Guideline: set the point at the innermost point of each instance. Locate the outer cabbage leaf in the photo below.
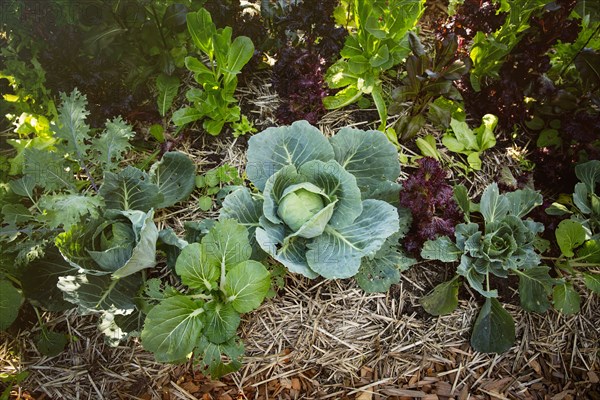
(130, 189)
(275, 148)
(175, 176)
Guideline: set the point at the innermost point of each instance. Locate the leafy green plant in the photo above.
(222, 283)
(469, 142)
(319, 210)
(213, 181)
(214, 101)
(378, 42)
(427, 78)
(72, 189)
(504, 244)
(578, 239)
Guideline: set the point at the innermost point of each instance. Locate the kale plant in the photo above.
(430, 200)
(319, 209)
(504, 244)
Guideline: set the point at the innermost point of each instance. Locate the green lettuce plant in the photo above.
(504, 243)
(379, 41)
(214, 100)
(222, 283)
(322, 204)
(578, 239)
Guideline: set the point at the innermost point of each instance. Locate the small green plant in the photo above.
(222, 283)
(214, 100)
(471, 142)
(504, 244)
(213, 181)
(578, 239)
(379, 41)
(323, 204)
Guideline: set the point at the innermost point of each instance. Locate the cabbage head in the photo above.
(324, 205)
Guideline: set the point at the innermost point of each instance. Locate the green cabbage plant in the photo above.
(504, 243)
(323, 206)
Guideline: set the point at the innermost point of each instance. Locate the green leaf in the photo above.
(589, 174)
(205, 203)
(381, 57)
(368, 155)
(485, 133)
(566, 298)
(130, 189)
(535, 285)
(461, 196)
(227, 244)
(493, 206)
(494, 330)
(23, 186)
(443, 299)
(549, 138)
(67, 210)
(343, 98)
(195, 270)
(175, 176)
(240, 52)
(10, 303)
(144, 252)
(590, 251)
(213, 354)
(220, 322)
(172, 328)
(337, 253)
(570, 234)
(187, 115)
(241, 206)
(51, 343)
(47, 169)
(522, 202)
(428, 147)
(275, 148)
(442, 249)
(112, 145)
(167, 87)
(592, 281)
(71, 127)
(202, 30)
(474, 161)
(246, 286)
(464, 135)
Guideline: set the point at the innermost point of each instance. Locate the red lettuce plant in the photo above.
(429, 197)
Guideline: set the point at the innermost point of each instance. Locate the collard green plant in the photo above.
(319, 210)
(214, 100)
(427, 78)
(223, 283)
(504, 244)
(578, 239)
(378, 42)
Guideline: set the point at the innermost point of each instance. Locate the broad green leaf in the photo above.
(485, 133)
(339, 76)
(23, 187)
(175, 176)
(47, 169)
(172, 328)
(581, 198)
(464, 135)
(187, 115)
(15, 214)
(522, 202)
(493, 205)
(566, 299)
(592, 281)
(195, 270)
(167, 87)
(343, 98)
(382, 271)
(339, 184)
(130, 189)
(202, 30)
(277, 147)
(205, 203)
(71, 127)
(474, 160)
(381, 57)
(535, 285)
(240, 52)
(246, 286)
(220, 322)
(494, 329)
(10, 303)
(93, 293)
(443, 299)
(461, 196)
(213, 356)
(245, 209)
(442, 249)
(570, 234)
(227, 244)
(51, 343)
(67, 210)
(144, 252)
(589, 174)
(337, 253)
(367, 155)
(590, 251)
(428, 147)
(291, 253)
(113, 143)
